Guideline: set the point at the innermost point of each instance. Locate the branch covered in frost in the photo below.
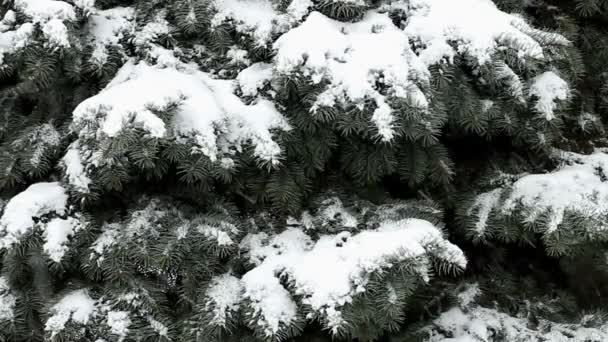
(567, 205)
(305, 273)
(41, 209)
(83, 313)
(471, 322)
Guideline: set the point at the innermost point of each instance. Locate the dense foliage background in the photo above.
(304, 170)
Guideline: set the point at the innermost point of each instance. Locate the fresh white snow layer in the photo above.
(346, 55)
(108, 27)
(254, 77)
(42, 11)
(219, 233)
(328, 273)
(259, 18)
(57, 233)
(13, 40)
(223, 297)
(119, 322)
(37, 200)
(74, 168)
(548, 87)
(469, 322)
(477, 27)
(484, 204)
(578, 186)
(50, 15)
(7, 301)
(77, 306)
(206, 106)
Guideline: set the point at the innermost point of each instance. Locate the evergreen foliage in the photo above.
(297, 170)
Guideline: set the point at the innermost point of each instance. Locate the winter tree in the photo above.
(303, 170)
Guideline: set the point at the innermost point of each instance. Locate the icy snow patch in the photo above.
(13, 40)
(254, 78)
(77, 306)
(333, 209)
(259, 17)
(7, 301)
(254, 16)
(473, 323)
(108, 27)
(152, 30)
(50, 14)
(468, 295)
(329, 273)
(578, 186)
(224, 295)
(106, 239)
(346, 55)
(56, 235)
(206, 106)
(56, 33)
(42, 138)
(74, 168)
(119, 322)
(37, 200)
(484, 204)
(219, 234)
(477, 26)
(42, 11)
(548, 87)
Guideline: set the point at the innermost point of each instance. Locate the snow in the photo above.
(206, 106)
(223, 297)
(484, 204)
(330, 216)
(220, 234)
(10, 18)
(106, 239)
(159, 327)
(151, 31)
(469, 294)
(478, 27)
(578, 186)
(333, 209)
(392, 294)
(37, 200)
(77, 306)
(56, 235)
(87, 6)
(56, 33)
(41, 139)
(328, 273)
(74, 168)
(7, 301)
(254, 77)
(119, 322)
(11, 41)
(346, 56)
(273, 307)
(238, 56)
(512, 80)
(108, 27)
(42, 11)
(548, 87)
(259, 17)
(255, 16)
(50, 14)
(470, 322)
